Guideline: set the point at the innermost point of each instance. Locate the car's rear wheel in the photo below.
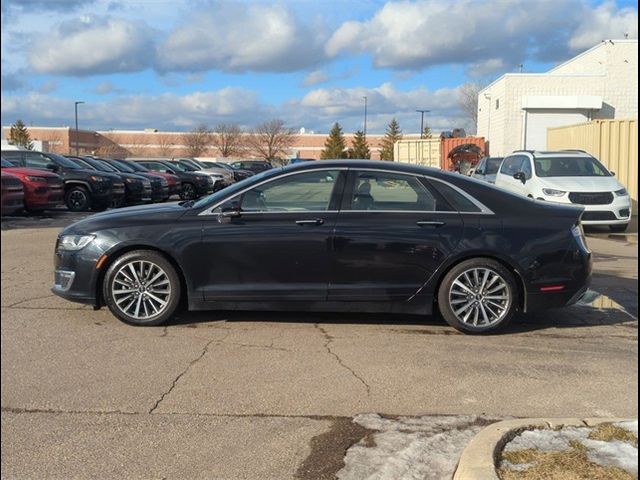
(142, 288)
(77, 199)
(618, 228)
(478, 295)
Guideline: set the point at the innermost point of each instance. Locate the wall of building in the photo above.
(608, 70)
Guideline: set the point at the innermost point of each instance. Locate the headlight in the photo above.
(622, 192)
(72, 243)
(97, 178)
(552, 192)
(36, 179)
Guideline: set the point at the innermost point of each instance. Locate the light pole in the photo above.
(487, 96)
(365, 117)
(76, 135)
(422, 112)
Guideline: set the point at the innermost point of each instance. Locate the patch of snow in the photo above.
(409, 448)
(517, 467)
(613, 454)
(547, 440)
(631, 426)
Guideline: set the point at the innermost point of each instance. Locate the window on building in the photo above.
(497, 103)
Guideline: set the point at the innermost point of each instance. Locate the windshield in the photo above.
(84, 164)
(178, 166)
(493, 164)
(570, 167)
(64, 161)
(219, 195)
(123, 167)
(137, 167)
(102, 166)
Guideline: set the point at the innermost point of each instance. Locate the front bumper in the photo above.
(618, 212)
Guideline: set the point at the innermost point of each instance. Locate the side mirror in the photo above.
(53, 167)
(613, 174)
(229, 212)
(520, 176)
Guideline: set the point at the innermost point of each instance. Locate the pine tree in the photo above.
(393, 135)
(426, 133)
(359, 148)
(334, 146)
(19, 135)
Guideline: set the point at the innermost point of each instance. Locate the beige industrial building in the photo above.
(515, 111)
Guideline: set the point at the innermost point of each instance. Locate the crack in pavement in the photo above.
(29, 300)
(175, 381)
(329, 340)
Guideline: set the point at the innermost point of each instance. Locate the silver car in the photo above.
(487, 169)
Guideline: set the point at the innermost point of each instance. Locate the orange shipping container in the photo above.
(468, 159)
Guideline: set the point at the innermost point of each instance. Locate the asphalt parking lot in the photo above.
(235, 395)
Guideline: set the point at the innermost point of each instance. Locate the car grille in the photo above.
(596, 216)
(591, 198)
(11, 183)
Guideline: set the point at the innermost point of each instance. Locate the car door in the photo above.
(271, 242)
(510, 166)
(392, 233)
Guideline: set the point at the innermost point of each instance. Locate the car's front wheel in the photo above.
(78, 199)
(142, 288)
(478, 295)
(188, 191)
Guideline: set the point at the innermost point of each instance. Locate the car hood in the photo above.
(29, 171)
(582, 184)
(129, 216)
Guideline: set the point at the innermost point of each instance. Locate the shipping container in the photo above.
(424, 151)
(613, 142)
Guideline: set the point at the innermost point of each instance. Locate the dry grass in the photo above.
(608, 432)
(571, 464)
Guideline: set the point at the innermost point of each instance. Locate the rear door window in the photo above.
(386, 191)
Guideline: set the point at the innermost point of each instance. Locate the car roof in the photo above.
(554, 153)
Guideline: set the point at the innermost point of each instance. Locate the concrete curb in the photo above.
(478, 460)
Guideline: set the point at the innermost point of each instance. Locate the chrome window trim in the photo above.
(484, 210)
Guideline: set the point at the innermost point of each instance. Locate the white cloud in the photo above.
(605, 22)
(419, 34)
(90, 45)
(314, 78)
(239, 37)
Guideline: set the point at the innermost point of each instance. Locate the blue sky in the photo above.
(175, 64)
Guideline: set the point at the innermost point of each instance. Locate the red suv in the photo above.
(12, 194)
(42, 189)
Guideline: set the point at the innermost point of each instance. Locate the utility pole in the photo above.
(422, 112)
(76, 135)
(365, 116)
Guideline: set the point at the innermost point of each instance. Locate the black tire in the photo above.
(113, 277)
(188, 192)
(498, 314)
(618, 228)
(77, 199)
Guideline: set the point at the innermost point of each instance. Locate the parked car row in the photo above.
(566, 177)
(83, 183)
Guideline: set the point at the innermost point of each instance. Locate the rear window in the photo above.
(493, 164)
(456, 199)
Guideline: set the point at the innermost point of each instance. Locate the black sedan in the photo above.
(332, 236)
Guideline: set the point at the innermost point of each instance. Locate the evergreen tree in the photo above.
(334, 146)
(427, 132)
(359, 148)
(392, 135)
(19, 135)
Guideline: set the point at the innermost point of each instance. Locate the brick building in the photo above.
(150, 143)
(515, 111)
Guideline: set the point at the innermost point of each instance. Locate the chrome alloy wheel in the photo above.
(141, 289)
(480, 297)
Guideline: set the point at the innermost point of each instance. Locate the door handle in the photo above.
(430, 224)
(315, 221)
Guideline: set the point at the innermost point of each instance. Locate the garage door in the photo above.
(537, 121)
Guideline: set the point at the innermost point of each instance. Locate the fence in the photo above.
(613, 142)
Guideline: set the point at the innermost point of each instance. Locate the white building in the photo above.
(515, 111)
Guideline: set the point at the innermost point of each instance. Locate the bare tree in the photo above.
(468, 100)
(165, 144)
(136, 145)
(270, 140)
(110, 149)
(198, 140)
(228, 139)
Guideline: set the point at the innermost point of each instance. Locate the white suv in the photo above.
(570, 177)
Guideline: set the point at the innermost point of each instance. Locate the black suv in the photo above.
(83, 189)
(255, 166)
(194, 185)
